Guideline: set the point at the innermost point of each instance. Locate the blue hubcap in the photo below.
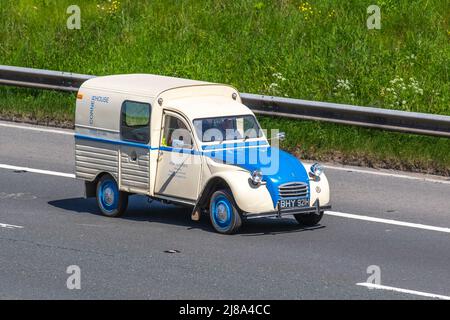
(221, 212)
(109, 195)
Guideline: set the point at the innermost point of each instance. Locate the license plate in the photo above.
(293, 203)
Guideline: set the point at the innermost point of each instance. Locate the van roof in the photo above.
(209, 107)
(141, 84)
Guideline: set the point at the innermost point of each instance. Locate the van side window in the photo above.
(135, 122)
(176, 134)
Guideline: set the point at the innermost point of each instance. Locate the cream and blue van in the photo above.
(189, 143)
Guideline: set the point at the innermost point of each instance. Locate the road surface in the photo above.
(396, 223)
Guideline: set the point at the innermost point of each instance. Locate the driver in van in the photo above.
(228, 130)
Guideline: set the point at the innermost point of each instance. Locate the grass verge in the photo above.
(307, 139)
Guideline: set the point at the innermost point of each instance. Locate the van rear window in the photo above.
(135, 122)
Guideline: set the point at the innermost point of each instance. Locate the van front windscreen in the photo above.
(227, 128)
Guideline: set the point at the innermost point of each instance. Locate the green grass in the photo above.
(324, 52)
(43, 107)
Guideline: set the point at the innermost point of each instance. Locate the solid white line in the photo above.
(10, 226)
(387, 174)
(417, 293)
(46, 172)
(387, 221)
(15, 126)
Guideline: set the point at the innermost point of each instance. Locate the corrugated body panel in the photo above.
(91, 158)
(134, 185)
(106, 148)
(134, 178)
(135, 174)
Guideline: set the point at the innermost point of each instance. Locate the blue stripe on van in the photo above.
(119, 142)
(235, 145)
(207, 148)
(180, 150)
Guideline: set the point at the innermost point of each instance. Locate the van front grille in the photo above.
(293, 190)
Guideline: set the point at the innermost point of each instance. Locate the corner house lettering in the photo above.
(92, 106)
(190, 143)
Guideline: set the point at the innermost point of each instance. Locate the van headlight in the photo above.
(257, 177)
(316, 170)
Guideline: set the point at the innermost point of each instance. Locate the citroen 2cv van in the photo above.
(189, 143)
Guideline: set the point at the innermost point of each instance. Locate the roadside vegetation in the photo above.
(316, 50)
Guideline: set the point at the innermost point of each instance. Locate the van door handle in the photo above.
(133, 156)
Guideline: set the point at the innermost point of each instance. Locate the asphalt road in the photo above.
(46, 225)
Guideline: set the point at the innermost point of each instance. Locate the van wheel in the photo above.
(308, 220)
(223, 213)
(111, 201)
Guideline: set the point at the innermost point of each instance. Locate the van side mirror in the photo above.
(279, 136)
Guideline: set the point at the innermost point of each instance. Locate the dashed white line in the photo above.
(46, 172)
(10, 226)
(407, 291)
(387, 221)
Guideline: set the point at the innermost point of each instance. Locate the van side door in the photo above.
(134, 173)
(179, 163)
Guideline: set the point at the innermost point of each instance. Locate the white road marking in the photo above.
(417, 293)
(46, 172)
(15, 126)
(387, 174)
(387, 221)
(10, 226)
(330, 213)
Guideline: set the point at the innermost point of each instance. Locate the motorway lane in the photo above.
(124, 258)
(269, 259)
(389, 197)
(385, 197)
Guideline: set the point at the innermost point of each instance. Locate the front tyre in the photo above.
(111, 201)
(308, 220)
(224, 213)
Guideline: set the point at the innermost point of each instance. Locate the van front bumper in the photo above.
(315, 209)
